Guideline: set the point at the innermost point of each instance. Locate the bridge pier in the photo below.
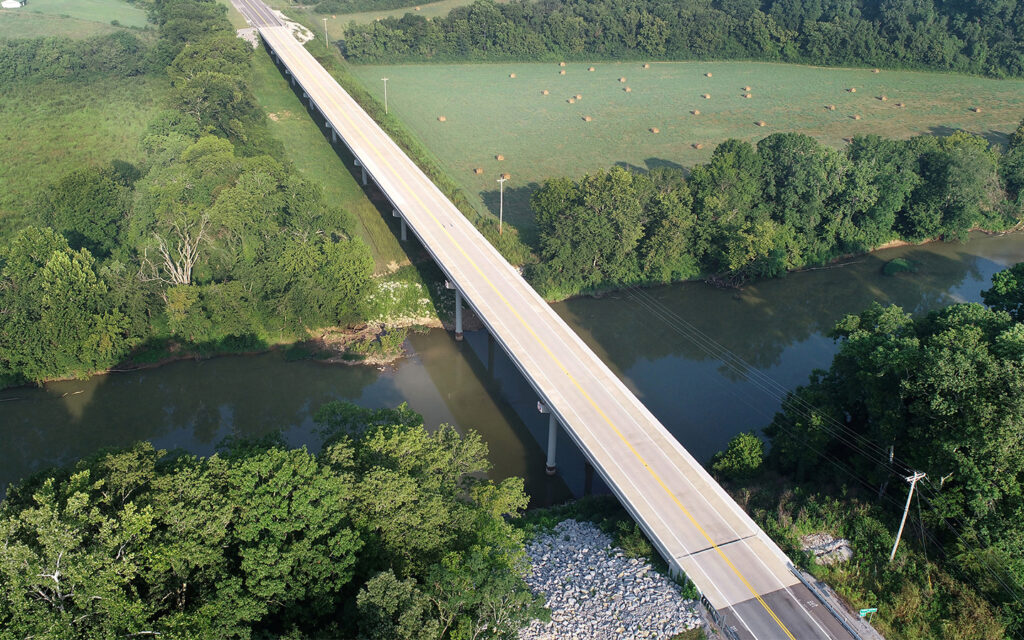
(458, 315)
(551, 467)
(395, 214)
(334, 135)
(364, 176)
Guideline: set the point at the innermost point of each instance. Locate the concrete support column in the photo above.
(364, 176)
(458, 315)
(403, 230)
(551, 467)
(356, 160)
(334, 135)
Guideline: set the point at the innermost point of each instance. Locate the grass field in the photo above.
(488, 113)
(71, 18)
(50, 129)
(316, 160)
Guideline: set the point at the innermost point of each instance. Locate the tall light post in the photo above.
(326, 42)
(501, 201)
(385, 95)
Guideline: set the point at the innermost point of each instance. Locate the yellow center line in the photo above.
(551, 354)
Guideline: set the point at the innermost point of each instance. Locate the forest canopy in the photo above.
(975, 36)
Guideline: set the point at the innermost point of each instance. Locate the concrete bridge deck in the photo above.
(695, 525)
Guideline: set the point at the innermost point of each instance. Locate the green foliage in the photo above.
(387, 532)
(87, 206)
(60, 317)
(116, 54)
(741, 459)
(917, 598)
(944, 391)
(788, 204)
(928, 34)
(1007, 292)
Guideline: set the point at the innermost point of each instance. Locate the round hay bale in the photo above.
(579, 96)
(544, 92)
(442, 119)
(507, 176)
(900, 105)
(856, 116)
(655, 130)
(698, 146)
(883, 98)
(852, 90)
(696, 112)
(571, 100)
(746, 88)
(562, 72)
(876, 71)
(334, 17)
(628, 90)
(848, 140)
(647, 65)
(587, 118)
(706, 96)
(478, 171)
(831, 107)
(499, 157)
(748, 95)
(622, 79)
(561, 64)
(591, 69)
(511, 75)
(976, 109)
(761, 123)
(707, 75)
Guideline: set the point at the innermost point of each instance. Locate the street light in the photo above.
(385, 95)
(326, 42)
(501, 201)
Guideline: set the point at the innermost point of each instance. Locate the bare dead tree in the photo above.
(179, 255)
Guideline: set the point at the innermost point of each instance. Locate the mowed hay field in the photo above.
(488, 113)
(49, 129)
(70, 18)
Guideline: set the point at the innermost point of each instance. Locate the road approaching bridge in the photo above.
(695, 525)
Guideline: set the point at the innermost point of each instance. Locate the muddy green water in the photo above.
(666, 343)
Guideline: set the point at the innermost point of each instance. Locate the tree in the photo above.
(1007, 292)
(742, 459)
(58, 317)
(87, 206)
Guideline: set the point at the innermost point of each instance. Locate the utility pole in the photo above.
(326, 42)
(501, 201)
(913, 481)
(385, 95)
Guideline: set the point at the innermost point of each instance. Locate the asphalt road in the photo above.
(695, 525)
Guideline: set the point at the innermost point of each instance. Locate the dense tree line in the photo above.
(975, 36)
(213, 242)
(353, 6)
(944, 393)
(64, 59)
(787, 203)
(390, 531)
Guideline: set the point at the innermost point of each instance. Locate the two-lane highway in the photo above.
(694, 524)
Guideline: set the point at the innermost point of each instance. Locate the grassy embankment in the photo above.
(488, 113)
(52, 128)
(70, 18)
(316, 160)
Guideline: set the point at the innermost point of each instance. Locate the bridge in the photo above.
(744, 578)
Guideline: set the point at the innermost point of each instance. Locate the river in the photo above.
(677, 347)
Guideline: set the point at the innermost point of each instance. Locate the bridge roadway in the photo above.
(693, 523)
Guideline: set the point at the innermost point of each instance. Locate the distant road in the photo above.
(693, 523)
